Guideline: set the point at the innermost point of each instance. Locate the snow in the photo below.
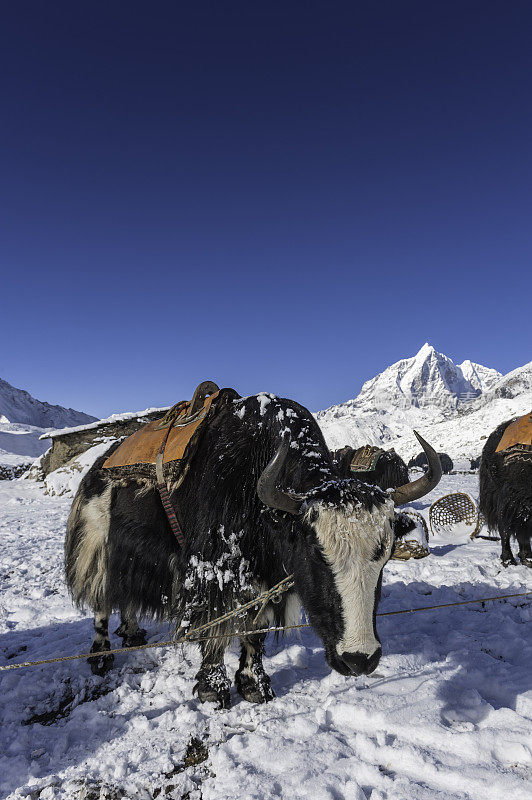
(20, 443)
(66, 479)
(264, 399)
(447, 715)
(479, 377)
(125, 415)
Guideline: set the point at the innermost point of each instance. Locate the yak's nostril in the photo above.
(373, 661)
(360, 663)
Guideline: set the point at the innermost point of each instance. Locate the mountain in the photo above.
(17, 405)
(478, 376)
(452, 406)
(23, 419)
(427, 379)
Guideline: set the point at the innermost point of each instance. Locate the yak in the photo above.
(390, 470)
(421, 461)
(262, 499)
(505, 499)
(475, 463)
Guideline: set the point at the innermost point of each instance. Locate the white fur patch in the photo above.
(292, 610)
(91, 567)
(349, 538)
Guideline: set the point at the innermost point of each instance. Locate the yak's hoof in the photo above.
(213, 686)
(131, 639)
(255, 689)
(509, 562)
(100, 665)
(526, 561)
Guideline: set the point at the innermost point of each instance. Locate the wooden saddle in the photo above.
(175, 436)
(365, 459)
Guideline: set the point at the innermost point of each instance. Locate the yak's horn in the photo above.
(416, 489)
(267, 484)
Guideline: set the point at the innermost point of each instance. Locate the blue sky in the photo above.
(280, 196)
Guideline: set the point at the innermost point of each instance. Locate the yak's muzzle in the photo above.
(360, 663)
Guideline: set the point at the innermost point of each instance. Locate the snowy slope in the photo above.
(479, 377)
(452, 406)
(19, 442)
(447, 715)
(18, 405)
(23, 419)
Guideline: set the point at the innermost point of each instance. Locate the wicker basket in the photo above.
(452, 509)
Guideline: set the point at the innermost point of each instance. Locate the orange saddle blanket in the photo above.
(518, 432)
(181, 427)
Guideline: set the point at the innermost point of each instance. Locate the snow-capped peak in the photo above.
(479, 377)
(427, 379)
(429, 393)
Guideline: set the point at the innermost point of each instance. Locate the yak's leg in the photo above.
(252, 682)
(213, 685)
(129, 631)
(101, 664)
(506, 554)
(525, 551)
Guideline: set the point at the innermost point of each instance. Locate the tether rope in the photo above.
(188, 636)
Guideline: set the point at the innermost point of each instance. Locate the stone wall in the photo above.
(68, 445)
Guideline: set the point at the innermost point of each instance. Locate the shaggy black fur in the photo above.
(506, 495)
(389, 473)
(234, 546)
(421, 461)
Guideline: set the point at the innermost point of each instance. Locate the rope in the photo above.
(187, 637)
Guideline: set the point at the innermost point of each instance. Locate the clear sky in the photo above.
(279, 196)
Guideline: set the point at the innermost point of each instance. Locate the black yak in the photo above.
(261, 500)
(388, 470)
(506, 493)
(421, 461)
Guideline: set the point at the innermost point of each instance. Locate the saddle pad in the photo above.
(143, 445)
(365, 458)
(518, 432)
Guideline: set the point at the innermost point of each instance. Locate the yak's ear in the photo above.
(342, 458)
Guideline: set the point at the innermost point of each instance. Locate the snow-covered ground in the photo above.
(447, 715)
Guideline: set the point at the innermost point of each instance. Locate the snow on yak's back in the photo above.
(261, 499)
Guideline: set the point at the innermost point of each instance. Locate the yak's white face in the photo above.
(356, 543)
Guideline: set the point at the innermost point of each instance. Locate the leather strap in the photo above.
(165, 496)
